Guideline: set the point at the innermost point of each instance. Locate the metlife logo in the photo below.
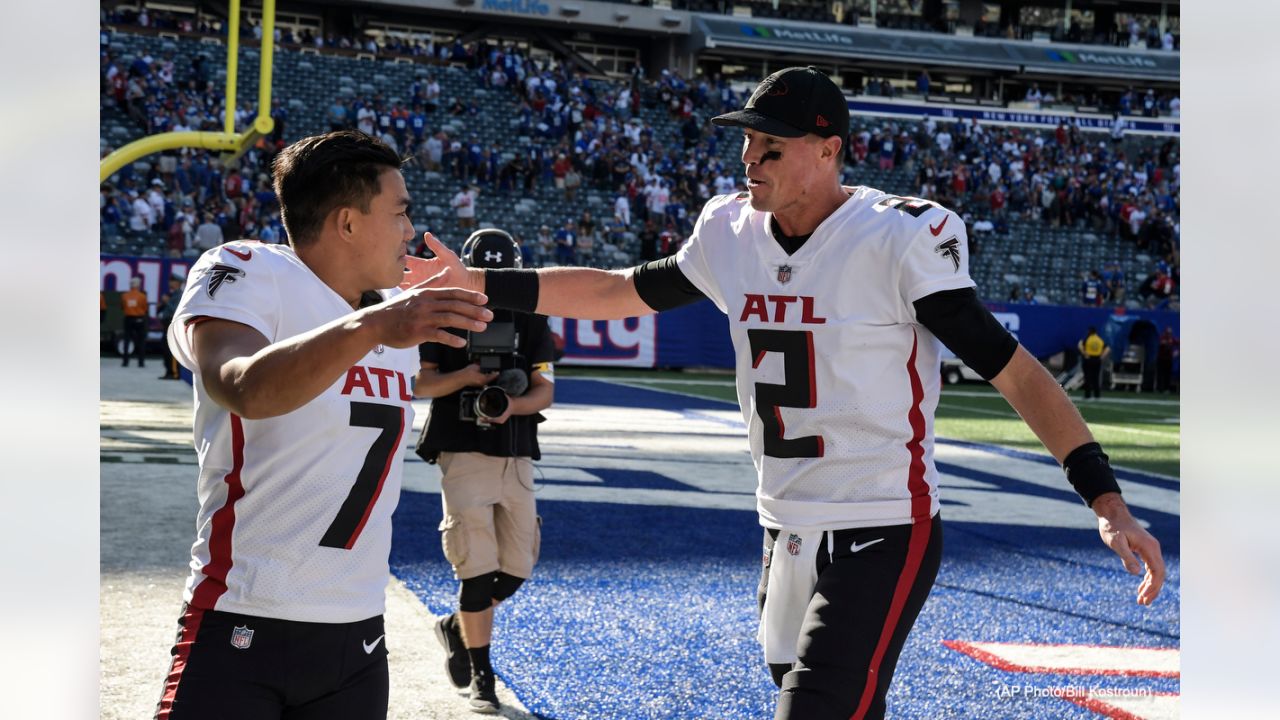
(524, 7)
(1101, 59)
(809, 36)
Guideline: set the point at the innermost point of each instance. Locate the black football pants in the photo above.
(863, 606)
(228, 666)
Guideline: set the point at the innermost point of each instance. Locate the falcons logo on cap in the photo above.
(220, 275)
(950, 249)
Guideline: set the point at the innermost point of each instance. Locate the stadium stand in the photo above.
(1044, 208)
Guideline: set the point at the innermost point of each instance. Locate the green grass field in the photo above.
(1139, 431)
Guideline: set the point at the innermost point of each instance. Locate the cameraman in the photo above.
(490, 530)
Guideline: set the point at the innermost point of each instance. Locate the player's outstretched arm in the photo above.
(571, 292)
(1050, 414)
(256, 379)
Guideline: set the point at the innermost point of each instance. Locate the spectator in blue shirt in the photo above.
(1092, 291)
(418, 123)
(566, 239)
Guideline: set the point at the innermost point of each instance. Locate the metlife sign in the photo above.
(1093, 58)
(521, 7)
(816, 37)
(824, 42)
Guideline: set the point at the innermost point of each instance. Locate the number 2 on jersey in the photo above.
(354, 513)
(799, 390)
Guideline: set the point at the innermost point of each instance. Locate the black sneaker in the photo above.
(483, 697)
(456, 662)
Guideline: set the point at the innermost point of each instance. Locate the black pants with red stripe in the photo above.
(228, 666)
(863, 606)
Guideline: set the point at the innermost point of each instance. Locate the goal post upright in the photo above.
(229, 142)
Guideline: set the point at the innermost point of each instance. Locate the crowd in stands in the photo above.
(580, 134)
(991, 175)
(1129, 31)
(185, 197)
(645, 144)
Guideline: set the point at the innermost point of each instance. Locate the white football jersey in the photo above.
(295, 510)
(838, 382)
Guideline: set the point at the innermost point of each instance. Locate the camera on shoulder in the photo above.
(496, 348)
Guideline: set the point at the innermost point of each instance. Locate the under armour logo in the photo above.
(492, 256)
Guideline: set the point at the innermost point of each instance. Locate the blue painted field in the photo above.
(643, 603)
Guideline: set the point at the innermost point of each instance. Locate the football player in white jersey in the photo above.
(303, 357)
(837, 298)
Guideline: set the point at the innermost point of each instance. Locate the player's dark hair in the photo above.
(319, 174)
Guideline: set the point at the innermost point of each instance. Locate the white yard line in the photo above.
(1012, 416)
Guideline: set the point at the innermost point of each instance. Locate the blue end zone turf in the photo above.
(649, 612)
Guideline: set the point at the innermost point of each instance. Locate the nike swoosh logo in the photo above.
(368, 647)
(249, 253)
(936, 230)
(855, 547)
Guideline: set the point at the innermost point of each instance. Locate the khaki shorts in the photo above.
(490, 520)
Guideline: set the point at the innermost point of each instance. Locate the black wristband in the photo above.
(512, 289)
(1089, 472)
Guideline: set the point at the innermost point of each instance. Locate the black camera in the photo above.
(494, 350)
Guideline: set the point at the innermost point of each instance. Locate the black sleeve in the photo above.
(544, 348)
(968, 329)
(662, 285)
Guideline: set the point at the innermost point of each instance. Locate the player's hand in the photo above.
(443, 270)
(1131, 542)
(423, 314)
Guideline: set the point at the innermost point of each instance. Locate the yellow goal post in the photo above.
(229, 142)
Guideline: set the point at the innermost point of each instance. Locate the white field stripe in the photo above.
(1011, 415)
(1104, 401)
(1073, 659)
(729, 382)
(1152, 706)
(726, 382)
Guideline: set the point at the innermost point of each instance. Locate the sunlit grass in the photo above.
(1138, 431)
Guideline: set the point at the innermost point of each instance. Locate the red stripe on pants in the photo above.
(181, 654)
(921, 527)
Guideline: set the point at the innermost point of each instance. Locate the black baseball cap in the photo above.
(793, 102)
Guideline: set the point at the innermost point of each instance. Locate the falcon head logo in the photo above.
(769, 87)
(950, 249)
(219, 276)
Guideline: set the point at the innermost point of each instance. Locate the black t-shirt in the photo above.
(518, 436)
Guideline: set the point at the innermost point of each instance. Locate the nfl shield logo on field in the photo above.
(241, 637)
(784, 277)
(793, 544)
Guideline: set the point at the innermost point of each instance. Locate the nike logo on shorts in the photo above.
(855, 547)
(369, 647)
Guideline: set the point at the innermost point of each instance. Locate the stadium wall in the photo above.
(692, 336)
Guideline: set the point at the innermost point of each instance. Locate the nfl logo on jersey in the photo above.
(784, 277)
(793, 544)
(241, 637)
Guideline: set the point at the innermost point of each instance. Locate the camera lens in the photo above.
(491, 402)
